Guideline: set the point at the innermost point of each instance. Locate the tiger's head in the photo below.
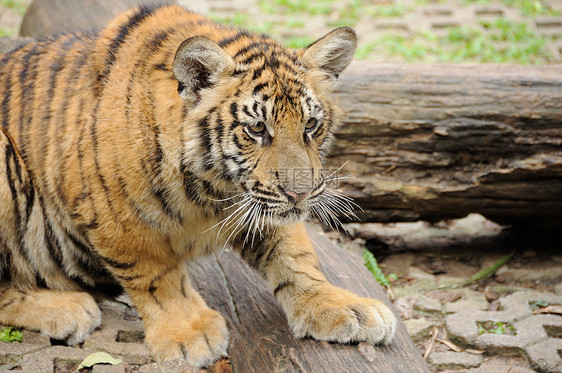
(265, 122)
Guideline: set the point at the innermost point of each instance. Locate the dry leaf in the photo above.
(556, 310)
(432, 342)
(449, 344)
(98, 358)
(474, 352)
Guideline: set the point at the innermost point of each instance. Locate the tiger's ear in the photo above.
(332, 52)
(199, 63)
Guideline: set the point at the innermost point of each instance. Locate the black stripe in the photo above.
(55, 68)
(191, 187)
(252, 57)
(62, 121)
(160, 66)
(5, 263)
(53, 245)
(258, 71)
(5, 108)
(94, 135)
(90, 262)
(261, 45)
(206, 143)
(247, 112)
(134, 21)
(118, 265)
(234, 110)
(259, 87)
(229, 40)
(7, 303)
(282, 286)
(10, 154)
(182, 286)
(152, 287)
(27, 81)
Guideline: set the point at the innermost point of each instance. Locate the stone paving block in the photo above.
(492, 368)
(478, 302)
(418, 328)
(530, 329)
(106, 368)
(119, 318)
(454, 360)
(168, 367)
(545, 355)
(438, 11)
(489, 11)
(45, 359)
(427, 304)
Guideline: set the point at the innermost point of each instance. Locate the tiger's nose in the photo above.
(297, 196)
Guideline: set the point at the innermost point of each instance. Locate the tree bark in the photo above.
(260, 339)
(434, 142)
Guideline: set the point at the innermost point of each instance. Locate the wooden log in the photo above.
(260, 340)
(50, 17)
(434, 142)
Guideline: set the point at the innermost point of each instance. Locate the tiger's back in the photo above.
(126, 154)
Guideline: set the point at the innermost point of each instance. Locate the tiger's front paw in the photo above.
(200, 340)
(340, 316)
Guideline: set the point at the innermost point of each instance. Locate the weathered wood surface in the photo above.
(49, 17)
(260, 340)
(434, 142)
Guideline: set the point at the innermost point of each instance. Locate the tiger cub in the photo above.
(126, 154)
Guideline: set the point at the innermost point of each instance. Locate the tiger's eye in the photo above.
(311, 124)
(257, 127)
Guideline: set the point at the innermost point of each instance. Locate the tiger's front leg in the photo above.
(313, 306)
(178, 323)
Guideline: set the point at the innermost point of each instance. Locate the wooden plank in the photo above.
(261, 340)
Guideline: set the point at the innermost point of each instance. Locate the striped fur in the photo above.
(126, 154)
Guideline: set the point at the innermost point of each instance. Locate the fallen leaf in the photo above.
(98, 358)
(434, 335)
(8, 366)
(474, 352)
(556, 310)
(449, 344)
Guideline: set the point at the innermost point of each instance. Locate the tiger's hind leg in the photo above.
(64, 315)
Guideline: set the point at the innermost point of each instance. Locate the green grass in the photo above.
(297, 42)
(349, 15)
(294, 22)
(16, 5)
(242, 20)
(318, 7)
(4, 32)
(9, 335)
(496, 327)
(387, 11)
(531, 8)
(376, 271)
(504, 42)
